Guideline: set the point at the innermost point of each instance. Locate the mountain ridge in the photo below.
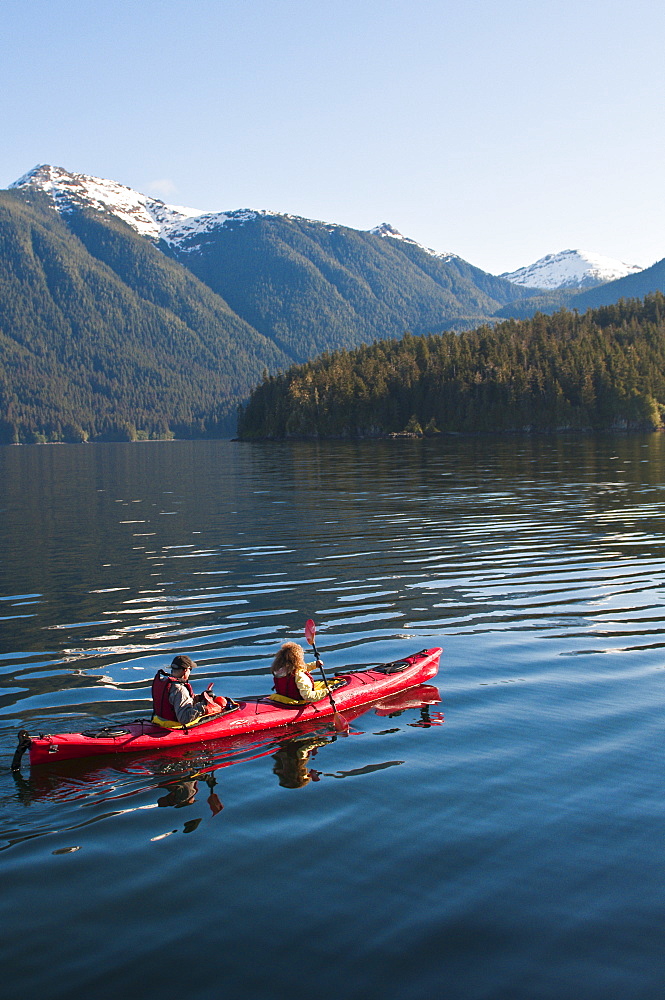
(122, 316)
(177, 226)
(172, 224)
(107, 331)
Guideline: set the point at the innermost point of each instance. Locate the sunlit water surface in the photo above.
(505, 843)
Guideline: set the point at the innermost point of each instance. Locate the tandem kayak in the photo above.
(171, 768)
(249, 715)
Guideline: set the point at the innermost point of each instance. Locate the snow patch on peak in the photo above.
(385, 230)
(186, 234)
(146, 215)
(571, 269)
(180, 227)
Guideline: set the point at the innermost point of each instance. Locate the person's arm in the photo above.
(183, 704)
(307, 688)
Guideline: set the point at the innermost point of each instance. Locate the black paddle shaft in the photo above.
(341, 725)
(319, 664)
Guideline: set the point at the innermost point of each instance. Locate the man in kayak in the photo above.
(173, 700)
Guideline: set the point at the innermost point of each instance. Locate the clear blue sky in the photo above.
(498, 129)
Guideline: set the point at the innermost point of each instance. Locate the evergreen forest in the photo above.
(106, 334)
(310, 287)
(103, 337)
(598, 371)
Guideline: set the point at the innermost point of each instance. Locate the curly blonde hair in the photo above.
(289, 659)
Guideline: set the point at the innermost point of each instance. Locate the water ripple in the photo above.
(536, 564)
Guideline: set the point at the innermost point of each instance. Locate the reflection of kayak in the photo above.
(177, 775)
(247, 716)
(418, 697)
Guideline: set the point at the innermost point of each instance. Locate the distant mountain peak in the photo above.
(571, 269)
(180, 227)
(387, 231)
(148, 216)
(186, 229)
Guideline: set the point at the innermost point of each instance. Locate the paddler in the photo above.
(293, 683)
(173, 700)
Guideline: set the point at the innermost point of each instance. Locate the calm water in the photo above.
(512, 851)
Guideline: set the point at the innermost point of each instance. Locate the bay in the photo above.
(504, 843)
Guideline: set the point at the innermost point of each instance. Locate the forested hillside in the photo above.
(603, 370)
(633, 286)
(124, 318)
(102, 336)
(311, 287)
(105, 335)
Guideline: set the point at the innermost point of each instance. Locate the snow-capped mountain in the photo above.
(236, 254)
(151, 217)
(184, 229)
(187, 230)
(148, 216)
(187, 235)
(571, 269)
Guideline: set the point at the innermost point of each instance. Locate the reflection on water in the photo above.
(176, 772)
(512, 852)
(235, 544)
(292, 761)
(183, 791)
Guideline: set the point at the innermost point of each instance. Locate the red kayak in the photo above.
(85, 776)
(247, 716)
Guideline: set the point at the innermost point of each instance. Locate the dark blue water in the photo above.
(512, 851)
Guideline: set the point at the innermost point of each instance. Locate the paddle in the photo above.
(341, 725)
(213, 799)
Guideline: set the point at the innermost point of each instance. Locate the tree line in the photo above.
(601, 370)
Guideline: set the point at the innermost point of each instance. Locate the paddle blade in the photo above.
(215, 803)
(340, 724)
(310, 632)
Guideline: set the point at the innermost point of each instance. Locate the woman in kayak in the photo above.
(173, 700)
(293, 682)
